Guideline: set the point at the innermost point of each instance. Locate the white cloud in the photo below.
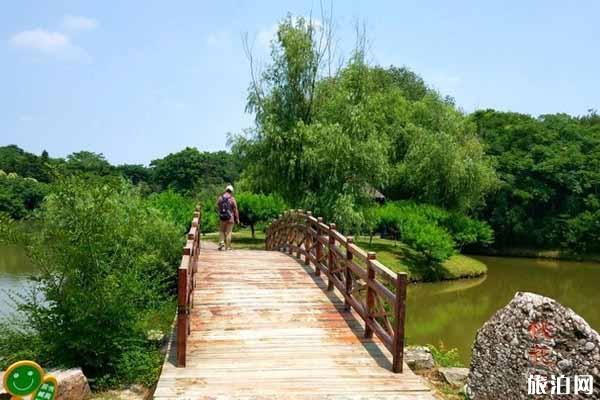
(78, 23)
(41, 40)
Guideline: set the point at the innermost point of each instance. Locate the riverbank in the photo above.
(393, 254)
(527, 252)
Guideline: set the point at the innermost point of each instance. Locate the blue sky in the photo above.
(136, 80)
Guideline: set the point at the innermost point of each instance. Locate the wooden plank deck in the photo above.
(264, 327)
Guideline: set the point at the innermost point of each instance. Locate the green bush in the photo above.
(19, 196)
(407, 222)
(258, 208)
(445, 357)
(177, 207)
(107, 263)
(431, 230)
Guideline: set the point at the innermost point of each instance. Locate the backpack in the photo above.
(225, 209)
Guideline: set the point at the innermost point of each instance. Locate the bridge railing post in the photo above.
(290, 232)
(348, 273)
(307, 238)
(319, 247)
(298, 231)
(330, 257)
(399, 320)
(182, 315)
(370, 301)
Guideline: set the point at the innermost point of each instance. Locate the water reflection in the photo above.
(451, 312)
(15, 268)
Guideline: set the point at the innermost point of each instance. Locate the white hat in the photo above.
(229, 188)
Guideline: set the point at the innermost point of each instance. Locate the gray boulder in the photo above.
(454, 376)
(418, 357)
(533, 337)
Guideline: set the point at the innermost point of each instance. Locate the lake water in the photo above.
(451, 312)
(447, 312)
(15, 268)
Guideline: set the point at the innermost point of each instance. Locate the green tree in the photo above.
(323, 142)
(135, 173)
(105, 264)
(87, 162)
(549, 169)
(185, 170)
(20, 196)
(28, 165)
(258, 208)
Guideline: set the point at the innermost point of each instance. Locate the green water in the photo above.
(451, 312)
(15, 268)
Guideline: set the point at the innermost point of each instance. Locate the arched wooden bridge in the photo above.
(315, 318)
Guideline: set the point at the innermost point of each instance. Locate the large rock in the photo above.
(454, 376)
(418, 357)
(533, 338)
(72, 385)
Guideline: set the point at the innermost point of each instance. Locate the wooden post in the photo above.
(278, 233)
(330, 258)
(319, 249)
(182, 322)
(370, 303)
(399, 318)
(297, 230)
(307, 239)
(348, 273)
(290, 232)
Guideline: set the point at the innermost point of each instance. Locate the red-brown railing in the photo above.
(364, 282)
(185, 286)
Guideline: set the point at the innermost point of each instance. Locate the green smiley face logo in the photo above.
(23, 378)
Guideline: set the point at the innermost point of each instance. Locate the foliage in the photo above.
(15, 159)
(135, 173)
(550, 179)
(20, 196)
(411, 226)
(430, 230)
(87, 162)
(176, 207)
(188, 169)
(323, 142)
(445, 357)
(106, 261)
(256, 208)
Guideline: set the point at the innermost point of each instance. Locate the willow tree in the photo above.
(325, 141)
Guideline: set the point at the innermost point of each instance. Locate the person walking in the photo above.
(228, 215)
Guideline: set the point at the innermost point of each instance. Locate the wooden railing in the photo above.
(185, 286)
(376, 293)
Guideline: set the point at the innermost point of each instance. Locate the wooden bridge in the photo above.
(296, 323)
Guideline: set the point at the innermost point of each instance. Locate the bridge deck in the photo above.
(264, 327)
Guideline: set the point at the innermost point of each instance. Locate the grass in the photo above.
(241, 239)
(395, 255)
(400, 258)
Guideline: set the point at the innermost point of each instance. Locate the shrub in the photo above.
(445, 357)
(411, 225)
(19, 196)
(107, 263)
(177, 207)
(431, 230)
(258, 208)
